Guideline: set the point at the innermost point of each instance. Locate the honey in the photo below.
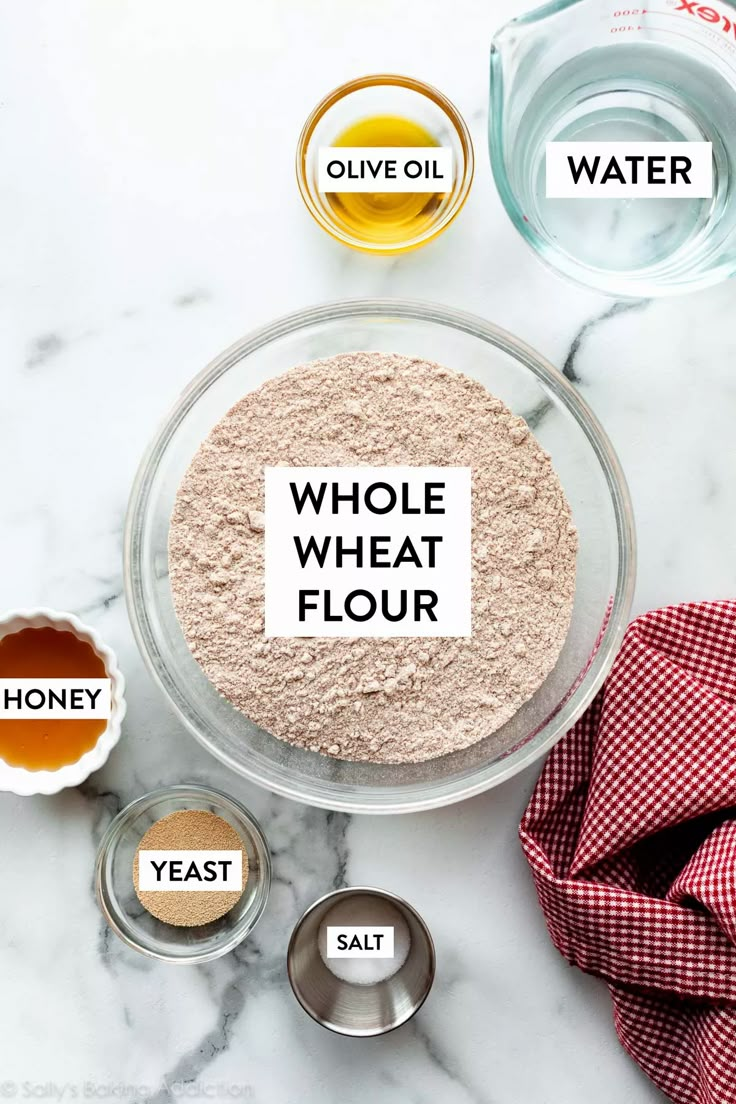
(47, 653)
(385, 217)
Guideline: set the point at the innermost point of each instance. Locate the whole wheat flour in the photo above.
(380, 700)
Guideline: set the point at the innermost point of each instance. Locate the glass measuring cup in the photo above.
(591, 70)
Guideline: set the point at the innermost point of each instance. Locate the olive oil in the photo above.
(47, 653)
(385, 217)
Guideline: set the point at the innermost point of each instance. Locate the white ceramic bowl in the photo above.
(23, 782)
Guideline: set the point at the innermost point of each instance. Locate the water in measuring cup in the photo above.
(602, 96)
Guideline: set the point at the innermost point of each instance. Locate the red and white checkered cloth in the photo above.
(631, 837)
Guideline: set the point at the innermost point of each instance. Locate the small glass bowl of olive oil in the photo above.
(384, 111)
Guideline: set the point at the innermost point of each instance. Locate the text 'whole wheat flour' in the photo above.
(378, 700)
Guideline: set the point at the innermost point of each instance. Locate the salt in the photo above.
(365, 910)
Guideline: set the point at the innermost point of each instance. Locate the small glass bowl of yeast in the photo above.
(121, 906)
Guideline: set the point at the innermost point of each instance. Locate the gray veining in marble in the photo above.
(139, 238)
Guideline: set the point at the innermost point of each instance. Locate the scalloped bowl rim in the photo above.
(26, 783)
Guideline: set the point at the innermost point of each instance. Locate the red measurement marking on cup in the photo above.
(626, 13)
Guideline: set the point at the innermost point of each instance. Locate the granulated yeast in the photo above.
(381, 700)
(190, 830)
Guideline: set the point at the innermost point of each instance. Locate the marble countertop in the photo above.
(137, 242)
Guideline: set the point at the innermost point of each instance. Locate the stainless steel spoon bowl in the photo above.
(359, 1010)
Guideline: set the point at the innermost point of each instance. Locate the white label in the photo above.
(606, 170)
(384, 169)
(360, 941)
(368, 552)
(190, 871)
(48, 698)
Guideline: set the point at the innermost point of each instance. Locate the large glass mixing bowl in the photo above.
(585, 463)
